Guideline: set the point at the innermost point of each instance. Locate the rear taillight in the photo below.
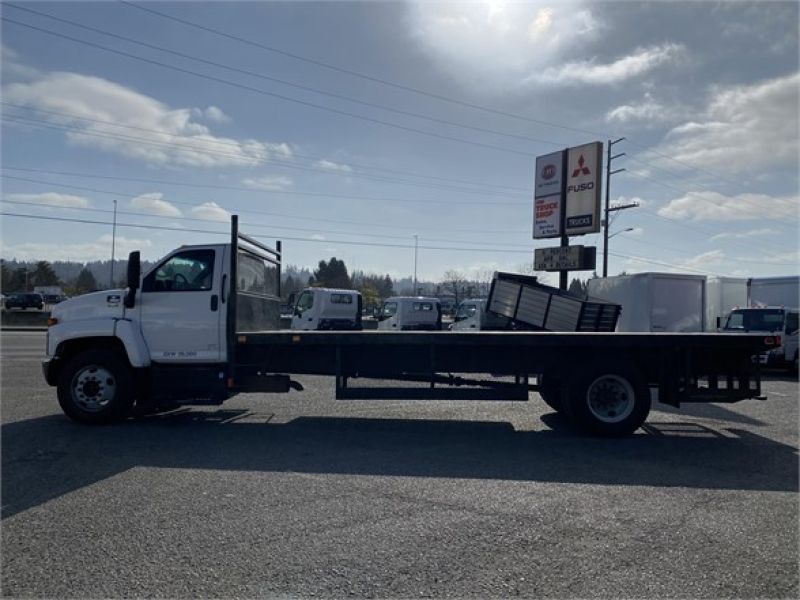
(52, 321)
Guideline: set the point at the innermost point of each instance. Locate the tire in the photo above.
(608, 400)
(550, 391)
(96, 387)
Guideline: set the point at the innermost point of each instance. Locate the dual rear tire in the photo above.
(607, 400)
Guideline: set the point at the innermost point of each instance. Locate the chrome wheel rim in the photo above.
(610, 398)
(93, 388)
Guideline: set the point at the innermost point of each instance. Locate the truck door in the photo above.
(180, 307)
(305, 312)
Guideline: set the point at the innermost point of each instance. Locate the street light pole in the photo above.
(609, 173)
(113, 244)
(416, 245)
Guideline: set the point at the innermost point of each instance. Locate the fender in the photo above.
(135, 346)
(83, 328)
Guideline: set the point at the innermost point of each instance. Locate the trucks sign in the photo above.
(565, 258)
(548, 196)
(582, 202)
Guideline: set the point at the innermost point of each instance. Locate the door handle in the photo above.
(222, 291)
(214, 302)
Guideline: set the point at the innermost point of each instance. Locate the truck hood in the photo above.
(97, 305)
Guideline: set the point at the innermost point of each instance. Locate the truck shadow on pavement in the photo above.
(45, 458)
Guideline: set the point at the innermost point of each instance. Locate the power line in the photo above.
(243, 158)
(696, 194)
(256, 225)
(344, 242)
(227, 233)
(266, 92)
(284, 82)
(409, 88)
(237, 145)
(244, 211)
(241, 189)
(362, 75)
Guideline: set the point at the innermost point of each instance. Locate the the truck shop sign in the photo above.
(582, 204)
(548, 196)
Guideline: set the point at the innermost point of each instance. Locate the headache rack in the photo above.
(253, 302)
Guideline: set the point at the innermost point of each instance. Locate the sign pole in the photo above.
(562, 275)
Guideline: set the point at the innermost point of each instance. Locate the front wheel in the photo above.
(96, 387)
(611, 400)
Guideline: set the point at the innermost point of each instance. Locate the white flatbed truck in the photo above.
(202, 325)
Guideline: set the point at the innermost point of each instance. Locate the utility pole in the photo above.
(113, 244)
(609, 173)
(416, 245)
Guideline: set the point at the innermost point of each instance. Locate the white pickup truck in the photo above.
(203, 325)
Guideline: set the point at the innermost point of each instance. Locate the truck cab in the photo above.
(326, 309)
(472, 315)
(771, 321)
(410, 313)
(169, 334)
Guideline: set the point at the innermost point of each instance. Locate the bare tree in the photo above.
(455, 282)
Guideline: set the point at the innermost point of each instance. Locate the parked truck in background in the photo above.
(778, 322)
(472, 315)
(203, 324)
(327, 309)
(655, 301)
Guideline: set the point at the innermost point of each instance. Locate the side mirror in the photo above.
(719, 323)
(134, 274)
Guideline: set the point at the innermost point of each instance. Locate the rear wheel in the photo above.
(610, 400)
(95, 387)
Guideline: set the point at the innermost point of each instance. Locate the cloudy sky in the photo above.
(347, 129)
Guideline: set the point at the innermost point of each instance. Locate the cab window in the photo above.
(389, 310)
(304, 302)
(423, 306)
(465, 311)
(187, 271)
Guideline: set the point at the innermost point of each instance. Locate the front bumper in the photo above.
(50, 369)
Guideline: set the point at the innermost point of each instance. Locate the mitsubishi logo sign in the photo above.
(581, 169)
(582, 201)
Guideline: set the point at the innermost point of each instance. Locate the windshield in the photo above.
(465, 311)
(755, 320)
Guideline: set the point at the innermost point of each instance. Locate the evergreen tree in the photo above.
(331, 274)
(43, 274)
(85, 282)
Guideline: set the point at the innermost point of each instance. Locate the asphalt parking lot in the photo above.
(299, 495)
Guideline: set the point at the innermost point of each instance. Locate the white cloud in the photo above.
(647, 112)
(154, 204)
(740, 235)
(329, 165)
(51, 199)
(211, 211)
(163, 136)
(100, 249)
(708, 206)
(643, 60)
(13, 67)
(270, 183)
(744, 128)
(704, 261)
(213, 113)
(496, 45)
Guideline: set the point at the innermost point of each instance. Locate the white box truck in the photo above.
(325, 309)
(723, 294)
(655, 301)
(774, 291)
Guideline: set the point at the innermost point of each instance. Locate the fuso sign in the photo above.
(582, 202)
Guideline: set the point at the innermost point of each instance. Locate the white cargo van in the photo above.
(655, 301)
(723, 294)
(327, 309)
(409, 313)
(473, 316)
